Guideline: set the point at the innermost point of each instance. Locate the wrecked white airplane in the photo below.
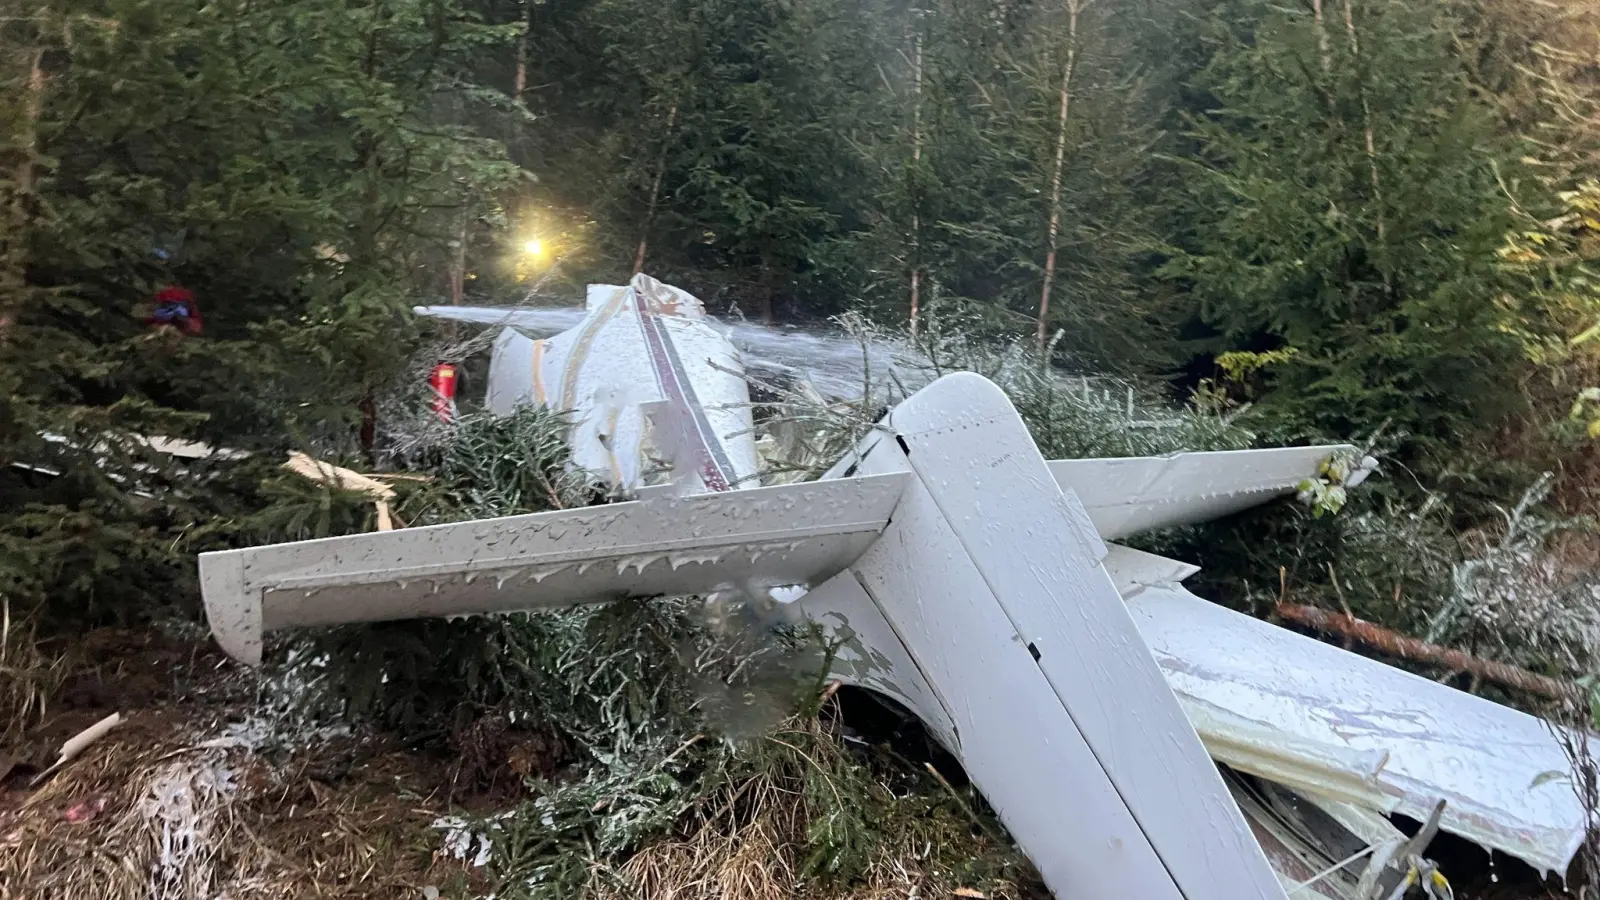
(1088, 695)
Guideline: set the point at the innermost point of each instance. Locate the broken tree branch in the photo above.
(347, 480)
(78, 743)
(1401, 647)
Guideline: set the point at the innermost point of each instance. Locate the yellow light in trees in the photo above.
(534, 247)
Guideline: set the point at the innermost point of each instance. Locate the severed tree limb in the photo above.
(1399, 646)
(78, 743)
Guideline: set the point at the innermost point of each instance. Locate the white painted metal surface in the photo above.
(644, 352)
(871, 654)
(1143, 493)
(792, 534)
(1331, 718)
(993, 579)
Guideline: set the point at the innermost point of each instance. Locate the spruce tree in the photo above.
(298, 168)
(1344, 211)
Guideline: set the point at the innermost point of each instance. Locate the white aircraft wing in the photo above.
(797, 534)
(1334, 724)
(534, 318)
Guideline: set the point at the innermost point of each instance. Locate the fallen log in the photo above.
(1399, 646)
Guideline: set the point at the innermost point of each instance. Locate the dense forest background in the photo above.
(1375, 221)
(1372, 220)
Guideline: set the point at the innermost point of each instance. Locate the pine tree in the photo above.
(720, 133)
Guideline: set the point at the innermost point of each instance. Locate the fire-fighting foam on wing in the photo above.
(1088, 695)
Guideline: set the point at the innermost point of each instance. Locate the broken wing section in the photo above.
(641, 346)
(1333, 724)
(1128, 495)
(767, 537)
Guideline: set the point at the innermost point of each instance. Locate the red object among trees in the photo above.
(176, 308)
(443, 382)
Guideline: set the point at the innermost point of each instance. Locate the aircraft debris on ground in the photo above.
(1203, 754)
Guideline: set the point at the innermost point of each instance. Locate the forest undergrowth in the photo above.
(667, 748)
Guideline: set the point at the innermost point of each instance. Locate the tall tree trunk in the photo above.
(369, 427)
(458, 265)
(33, 108)
(765, 292)
(1074, 8)
(916, 163)
(519, 82)
(655, 191)
(20, 199)
(1323, 51)
(1366, 114)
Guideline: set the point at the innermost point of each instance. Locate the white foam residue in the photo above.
(182, 802)
(461, 836)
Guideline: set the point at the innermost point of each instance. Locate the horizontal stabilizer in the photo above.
(1141, 493)
(766, 537)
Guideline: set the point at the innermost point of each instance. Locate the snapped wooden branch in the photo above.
(346, 479)
(1401, 647)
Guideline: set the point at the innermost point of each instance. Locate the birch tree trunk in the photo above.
(33, 108)
(458, 264)
(1323, 51)
(1074, 8)
(520, 80)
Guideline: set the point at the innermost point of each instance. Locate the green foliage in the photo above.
(300, 166)
(1073, 418)
(606, 680)
(501, 466)
(1378, 265)
(815, 811)
(429, 678)
(716, 139)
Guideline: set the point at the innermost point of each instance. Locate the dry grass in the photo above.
(781, 831)
(143, 816)
(29, 677)
(759, 861)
